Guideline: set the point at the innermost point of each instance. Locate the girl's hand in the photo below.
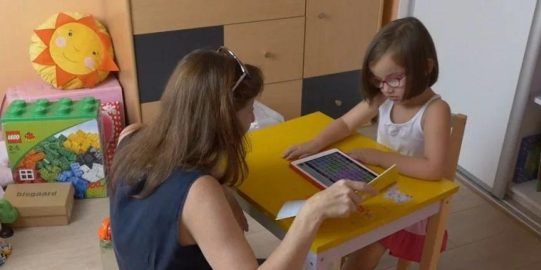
(367, 156)
(301, 150)
(339, 200)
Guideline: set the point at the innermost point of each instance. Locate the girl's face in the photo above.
(389, 77)
(246, 115)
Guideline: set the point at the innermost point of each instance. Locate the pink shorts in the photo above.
(407, 245)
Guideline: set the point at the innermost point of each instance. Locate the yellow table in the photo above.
(271, 183)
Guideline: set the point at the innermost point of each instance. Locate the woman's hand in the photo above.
(339, 200)
(301, 150)
(367, 156)
(237, 210)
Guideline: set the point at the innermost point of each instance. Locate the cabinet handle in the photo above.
(322, 15)
(338, 102)
(267, 54)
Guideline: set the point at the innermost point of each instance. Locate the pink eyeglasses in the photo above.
(394, 81)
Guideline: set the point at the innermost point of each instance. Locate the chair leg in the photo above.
(403, 264)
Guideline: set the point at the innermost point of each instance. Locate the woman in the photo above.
(168, 206)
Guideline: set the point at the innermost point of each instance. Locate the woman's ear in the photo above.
(429, 65)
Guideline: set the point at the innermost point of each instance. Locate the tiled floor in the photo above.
(480, 237)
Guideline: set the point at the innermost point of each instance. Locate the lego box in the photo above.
(108, 92)
(45, 204)
(49, 142)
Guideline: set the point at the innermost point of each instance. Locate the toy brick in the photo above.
(42, 109)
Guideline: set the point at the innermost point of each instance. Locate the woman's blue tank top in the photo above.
(145, 231)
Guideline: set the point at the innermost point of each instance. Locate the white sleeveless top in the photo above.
(406, 138)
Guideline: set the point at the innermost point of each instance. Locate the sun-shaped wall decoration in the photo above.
(72, 51)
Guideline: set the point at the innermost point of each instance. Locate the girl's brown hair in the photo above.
(412, 47)
(197, 126)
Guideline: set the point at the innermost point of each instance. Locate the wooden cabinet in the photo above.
(168, 15)
(333, 94)
(338, 33)
(275, 46)
(284, 97)
(157, 54)
(310, 61)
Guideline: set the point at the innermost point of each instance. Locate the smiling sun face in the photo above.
(72, 53)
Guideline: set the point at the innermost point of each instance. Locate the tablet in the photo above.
(327, 167)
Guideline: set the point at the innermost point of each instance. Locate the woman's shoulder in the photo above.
(206, 195)
(206, 185)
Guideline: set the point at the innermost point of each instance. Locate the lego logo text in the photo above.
(13, 137)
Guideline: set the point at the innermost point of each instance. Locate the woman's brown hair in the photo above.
(196, 127)
(412, 47)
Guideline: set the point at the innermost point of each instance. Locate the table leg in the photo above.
(434, 236)
(314, 262)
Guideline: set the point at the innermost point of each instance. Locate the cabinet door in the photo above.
(157, 55)
(150, 16)
(338, 33)
(283, 97)
(150, 110)
(333, 94)
(275, 46)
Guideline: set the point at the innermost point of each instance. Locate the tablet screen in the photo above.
(335, 166)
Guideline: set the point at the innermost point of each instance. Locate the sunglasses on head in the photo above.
(241, 68)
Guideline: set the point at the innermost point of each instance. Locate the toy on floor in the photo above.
(104, 233)
(71, 50)
(8, 214)
(5, 251)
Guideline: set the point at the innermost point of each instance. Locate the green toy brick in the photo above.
(65, 108)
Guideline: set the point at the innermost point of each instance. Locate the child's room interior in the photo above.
(61, 123)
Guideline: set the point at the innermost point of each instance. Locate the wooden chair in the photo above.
(458, 123)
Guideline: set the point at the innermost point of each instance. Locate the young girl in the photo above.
(168, 206)
(397, 74)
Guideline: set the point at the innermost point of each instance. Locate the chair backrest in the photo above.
(458, 123)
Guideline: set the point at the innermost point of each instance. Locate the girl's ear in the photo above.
(429, 65)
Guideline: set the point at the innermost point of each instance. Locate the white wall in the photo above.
(480, 45)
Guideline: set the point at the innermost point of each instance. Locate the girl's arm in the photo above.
(208, 219)
(337, 130)
(436, 128)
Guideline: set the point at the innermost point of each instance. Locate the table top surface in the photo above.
(271, 182)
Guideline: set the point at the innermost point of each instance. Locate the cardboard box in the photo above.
(43, 204)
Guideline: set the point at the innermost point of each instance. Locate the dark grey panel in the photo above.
(157, 54)
(333, 94)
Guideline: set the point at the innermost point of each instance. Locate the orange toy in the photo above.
(104, 232)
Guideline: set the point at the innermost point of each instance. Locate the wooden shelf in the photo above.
(526, 195)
